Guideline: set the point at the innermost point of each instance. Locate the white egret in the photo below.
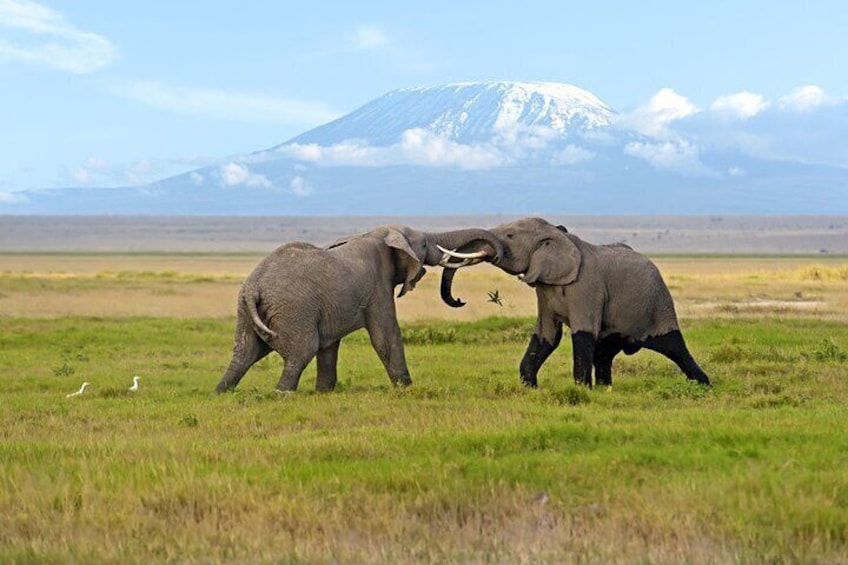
(79, 392)
(134, 386)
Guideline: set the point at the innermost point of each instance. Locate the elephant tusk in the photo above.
(458, 255)
(445, 262)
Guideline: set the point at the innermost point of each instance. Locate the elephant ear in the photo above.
(407, 261)
(556, 261)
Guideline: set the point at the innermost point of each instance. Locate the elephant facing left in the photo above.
(301, 300)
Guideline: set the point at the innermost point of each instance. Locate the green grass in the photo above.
(449, 470)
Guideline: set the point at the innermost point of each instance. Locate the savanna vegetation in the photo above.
(464, 466)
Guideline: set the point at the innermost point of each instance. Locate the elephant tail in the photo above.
(251, 299)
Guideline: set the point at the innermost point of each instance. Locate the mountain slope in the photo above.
(499, 147)
(467, 113)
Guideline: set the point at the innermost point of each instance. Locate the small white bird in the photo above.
(134, 387)
(79, 392)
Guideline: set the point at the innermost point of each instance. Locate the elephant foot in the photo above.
(325, 383)
(701, 378)
(674, 347)
(529, 383)
(403, 381)
(223, 387)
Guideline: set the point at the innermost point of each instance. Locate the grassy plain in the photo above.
(464, 466)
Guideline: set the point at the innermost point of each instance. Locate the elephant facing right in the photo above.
(612, 298)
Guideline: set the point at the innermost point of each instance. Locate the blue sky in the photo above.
(116, 93)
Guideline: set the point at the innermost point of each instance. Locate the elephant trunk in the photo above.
(446, 289)
(467, 241)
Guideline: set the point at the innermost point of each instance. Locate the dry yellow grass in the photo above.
(207, 285)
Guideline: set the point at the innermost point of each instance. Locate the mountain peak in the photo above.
(467, 112)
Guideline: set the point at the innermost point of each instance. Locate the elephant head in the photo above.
(535, 250)
(413, 250)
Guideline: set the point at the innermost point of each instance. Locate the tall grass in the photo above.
(464, 466)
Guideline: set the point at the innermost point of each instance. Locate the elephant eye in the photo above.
(509, 236)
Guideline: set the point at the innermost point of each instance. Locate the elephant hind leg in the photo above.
(247, 350)
(327, 361)
(673, 346)
(292, 369)
(297, 353)
(605, 352)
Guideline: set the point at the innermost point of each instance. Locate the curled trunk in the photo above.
(464, 241)
(446, 289)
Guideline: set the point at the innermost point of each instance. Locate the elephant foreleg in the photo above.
(388, 343)
(538, 351)
(605, 351)
(327, 361)
(674, 347)
(583, 344)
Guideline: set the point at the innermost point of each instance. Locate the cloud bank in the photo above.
(368, 37)
(668, 132)
(227, 105)
(417, 146)
(742, 105)
(238, 174)
(41, 36)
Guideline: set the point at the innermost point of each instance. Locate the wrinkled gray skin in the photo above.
(301, 300)
(612, 298)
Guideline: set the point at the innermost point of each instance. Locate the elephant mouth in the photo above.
(521, 278)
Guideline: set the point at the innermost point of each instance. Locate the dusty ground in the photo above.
(190, 266)
(820, 235)
(206, 285)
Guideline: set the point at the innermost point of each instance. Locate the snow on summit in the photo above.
(467, 112)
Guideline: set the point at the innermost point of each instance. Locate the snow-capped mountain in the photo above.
(467, 113)
(512, 148)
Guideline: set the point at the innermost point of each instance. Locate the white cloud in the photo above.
(50, 41)
(652, 119)
(300, 187)
(227, 105)
(571, 155)
(82, 177)
(368, 37)
(804, 99)
(421, 147)
(237, 174)
(98, 172)
(196, 178)
(139, 173)
(347, 153)
(417, 146)
(519, 139)
(680, 156)
(742, 105)
(91, 170)
(12, 198)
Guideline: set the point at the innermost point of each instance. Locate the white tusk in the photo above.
(445, 262)
(456, 254)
